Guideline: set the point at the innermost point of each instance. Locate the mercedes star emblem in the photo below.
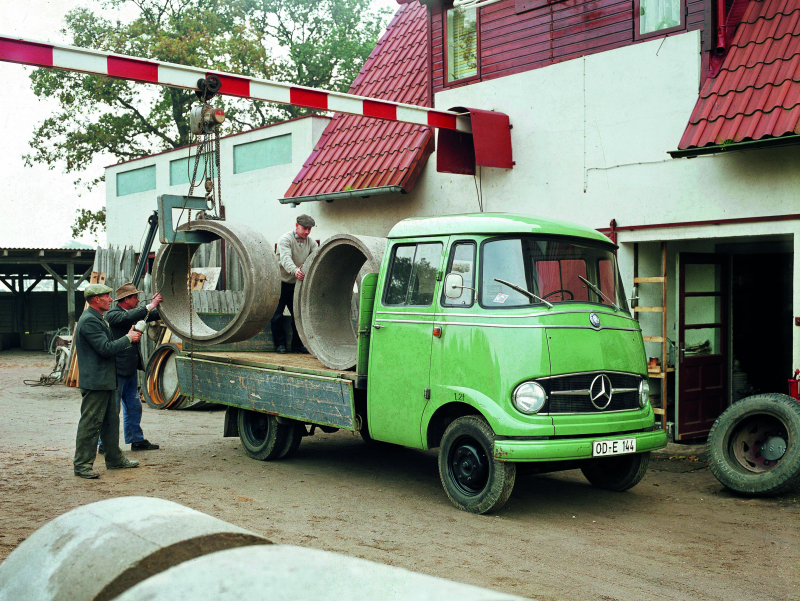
(594, 320)
(600, 392)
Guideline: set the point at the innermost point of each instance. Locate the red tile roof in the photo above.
(358, 152)
(756, 94)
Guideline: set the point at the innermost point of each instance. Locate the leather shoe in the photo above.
(126, 463)
(87, 473)
(144, 445)
(281, 350)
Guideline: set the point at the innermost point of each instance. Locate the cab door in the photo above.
(401, 337)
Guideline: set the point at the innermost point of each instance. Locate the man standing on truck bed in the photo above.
(293, 249)
(121, 319)
(98, 380)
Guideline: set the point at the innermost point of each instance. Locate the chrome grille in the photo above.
(570, 393)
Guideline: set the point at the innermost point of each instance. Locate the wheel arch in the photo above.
(443, 417)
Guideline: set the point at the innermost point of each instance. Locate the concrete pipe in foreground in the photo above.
(99, 551)
(326, 295)
(297, 574)
(262, 284)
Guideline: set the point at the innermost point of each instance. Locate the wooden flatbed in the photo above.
(289, 385)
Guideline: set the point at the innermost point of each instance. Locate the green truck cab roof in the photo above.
(490, 224)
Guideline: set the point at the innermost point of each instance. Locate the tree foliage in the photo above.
(313, 43)
(89, 222)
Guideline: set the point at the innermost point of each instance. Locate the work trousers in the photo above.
(278, 333)
(99, 415)
(128, 398)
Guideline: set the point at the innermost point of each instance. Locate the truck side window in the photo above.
(412, 274)
(462, 262)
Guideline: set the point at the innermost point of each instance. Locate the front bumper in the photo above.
(571, 448)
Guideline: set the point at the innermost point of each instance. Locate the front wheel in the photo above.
(754, 446)
(617, 473)
(472, 478)
(262, 437)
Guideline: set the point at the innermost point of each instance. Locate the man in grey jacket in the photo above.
(293, 249)
(121, 319)
(97, 376)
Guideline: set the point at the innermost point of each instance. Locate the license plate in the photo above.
(604, 448)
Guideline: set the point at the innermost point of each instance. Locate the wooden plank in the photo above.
(653, 338)
(309, 398)
(294, 362)
(652, 280)
(648, 309)
(658, 411)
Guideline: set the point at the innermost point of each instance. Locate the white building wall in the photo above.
(250, 197)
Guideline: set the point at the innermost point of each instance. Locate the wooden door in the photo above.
(703, 334)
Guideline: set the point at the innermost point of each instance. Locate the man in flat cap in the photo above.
(293, 249)
(97, 377)
(121, 319)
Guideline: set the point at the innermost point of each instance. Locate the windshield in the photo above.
(550, 268)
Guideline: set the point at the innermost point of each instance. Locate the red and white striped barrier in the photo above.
(71, 58)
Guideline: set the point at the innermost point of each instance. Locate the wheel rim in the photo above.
(256, 427)
(468, 465)
(759, 443)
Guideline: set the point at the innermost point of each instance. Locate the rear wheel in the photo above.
(472, 478)
(262, 437)
(754, 446)
(617, 473)
(294, 435)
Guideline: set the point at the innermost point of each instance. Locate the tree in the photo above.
(313, 43)
(90, 222)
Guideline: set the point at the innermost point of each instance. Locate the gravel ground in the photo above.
(678, 535)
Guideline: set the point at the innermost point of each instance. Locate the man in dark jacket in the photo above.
(98, 380)
(121, 319)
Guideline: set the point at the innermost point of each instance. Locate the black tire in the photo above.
(617, 473)
(294, 435)
(262, 437)
(472, 478)
(745, 439)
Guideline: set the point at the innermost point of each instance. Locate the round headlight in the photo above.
(644, 393)
(529, 397)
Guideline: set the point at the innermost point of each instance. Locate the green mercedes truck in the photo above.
(499, 339)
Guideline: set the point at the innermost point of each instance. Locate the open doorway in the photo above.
(761, 321)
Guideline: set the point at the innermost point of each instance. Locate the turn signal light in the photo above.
(437, 331)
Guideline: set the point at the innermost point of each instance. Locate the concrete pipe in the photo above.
(262, 284)
(299, 574)
(99, 551)
(326, 296)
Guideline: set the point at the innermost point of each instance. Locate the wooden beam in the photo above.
(653, 280)
(7, 285)
(70, 295)
(56, 277)
(87, 274)
(32, 286)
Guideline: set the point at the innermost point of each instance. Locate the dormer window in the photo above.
(657, 17)
(461, 37)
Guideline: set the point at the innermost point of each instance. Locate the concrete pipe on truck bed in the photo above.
(99, 551)
(262, 284)
(326, 295)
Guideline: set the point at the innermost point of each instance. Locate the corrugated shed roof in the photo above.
(756, 94)
(359, 152)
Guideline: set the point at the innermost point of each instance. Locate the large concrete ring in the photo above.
(101, 550)
(325, 297)
(262, 284)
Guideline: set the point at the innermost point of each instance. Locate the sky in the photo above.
(37, 205)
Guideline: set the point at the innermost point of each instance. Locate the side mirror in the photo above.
(453, 285)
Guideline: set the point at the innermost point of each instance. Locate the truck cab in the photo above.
(504, 339)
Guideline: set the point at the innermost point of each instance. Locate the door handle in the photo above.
(377, 326)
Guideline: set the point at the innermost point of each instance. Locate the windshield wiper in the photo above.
(527, 293)
(598, 291)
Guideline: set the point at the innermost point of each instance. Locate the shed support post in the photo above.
(70, 295)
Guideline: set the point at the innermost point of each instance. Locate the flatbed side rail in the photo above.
(323, 400)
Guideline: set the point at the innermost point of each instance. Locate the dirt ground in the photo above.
(677, 535)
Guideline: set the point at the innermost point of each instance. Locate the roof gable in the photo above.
(356, 153)
(756, 94)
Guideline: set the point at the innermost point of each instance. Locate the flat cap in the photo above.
(306, 221)
(95, 290)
